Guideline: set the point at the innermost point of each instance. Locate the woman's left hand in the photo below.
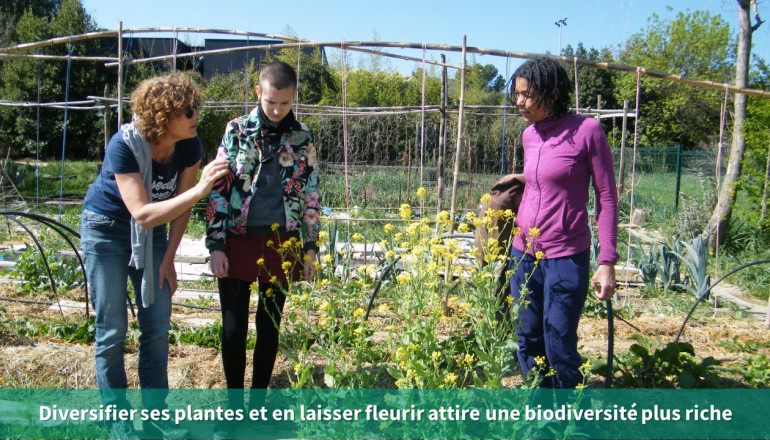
(604, 281)
(167, 272)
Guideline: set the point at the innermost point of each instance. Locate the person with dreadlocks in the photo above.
(550, 254)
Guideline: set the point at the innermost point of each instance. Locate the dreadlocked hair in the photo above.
(547, 82)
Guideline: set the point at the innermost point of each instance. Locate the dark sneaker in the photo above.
(163, 430)
(123, 430)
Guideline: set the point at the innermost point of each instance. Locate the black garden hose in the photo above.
(705, 293)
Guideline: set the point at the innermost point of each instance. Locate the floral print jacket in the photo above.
(230, 197)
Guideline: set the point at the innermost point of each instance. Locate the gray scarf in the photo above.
(141, 239)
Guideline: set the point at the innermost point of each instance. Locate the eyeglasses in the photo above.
(191, 111)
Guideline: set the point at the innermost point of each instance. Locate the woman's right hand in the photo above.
(220, 266)
(212, 172)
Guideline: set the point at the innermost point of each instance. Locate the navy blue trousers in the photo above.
(547, 324)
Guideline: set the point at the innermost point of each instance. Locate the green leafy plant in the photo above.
(698, 278)
(647, 262)
(30, 268)
(669, 264)
(648, 365)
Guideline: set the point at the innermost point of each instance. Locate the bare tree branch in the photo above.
(758, 20)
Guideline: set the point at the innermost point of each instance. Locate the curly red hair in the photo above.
(156, 100)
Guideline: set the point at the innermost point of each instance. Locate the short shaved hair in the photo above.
(278, 75)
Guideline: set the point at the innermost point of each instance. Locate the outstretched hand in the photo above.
(212, 172)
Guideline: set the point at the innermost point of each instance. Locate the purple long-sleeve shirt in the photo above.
(561, 157)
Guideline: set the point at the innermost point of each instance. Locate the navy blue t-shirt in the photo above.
(103, 195)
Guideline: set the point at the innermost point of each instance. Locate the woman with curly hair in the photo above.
(148, 179)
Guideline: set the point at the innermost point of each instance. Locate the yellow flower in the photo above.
(359, 312)
(403, 277)
(306, 257)
(421, 191)
(356, 236)
(435, 356)
(274, 227)
(406, 211)
(254, 287)
(389, 255)
(540, 361)
(269, 243)
(323, 236)
(463, 228)
(539, 255)
(269, 292)
(450, 379)
(261, 262)
(273, 279)
(534, 232)
(286, 266)
(388, 227)
(297, 367)
(327, 259)
(485, 198)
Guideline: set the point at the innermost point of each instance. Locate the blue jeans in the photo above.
(547, 326)
(106, 247)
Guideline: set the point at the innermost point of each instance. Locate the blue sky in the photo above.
(514, 25)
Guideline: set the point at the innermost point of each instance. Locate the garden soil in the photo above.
(31, 362)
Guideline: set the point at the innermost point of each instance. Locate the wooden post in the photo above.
(470, 169)
(120, 73)
(107, 114)
(764, 190)
(408, 169)
(442, 136)
(458, 149)
(456, 176)
(622, 170)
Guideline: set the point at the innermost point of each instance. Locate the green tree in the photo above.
(593, 83)
(483, 85)
(693, 44)
(757, 133)
(715, 230)
(19, 82)
(12, 10)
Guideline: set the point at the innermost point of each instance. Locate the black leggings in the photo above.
(234, 297)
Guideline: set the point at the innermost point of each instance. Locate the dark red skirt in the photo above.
(262, 256)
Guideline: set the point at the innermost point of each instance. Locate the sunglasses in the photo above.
(191, 111)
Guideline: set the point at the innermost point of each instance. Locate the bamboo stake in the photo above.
(56, 57)
(120, 73)
(362, 45)
(58, 40)
(458, 149)
(442, 137)
(764, 190)
(622, 171)
(456, 176)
